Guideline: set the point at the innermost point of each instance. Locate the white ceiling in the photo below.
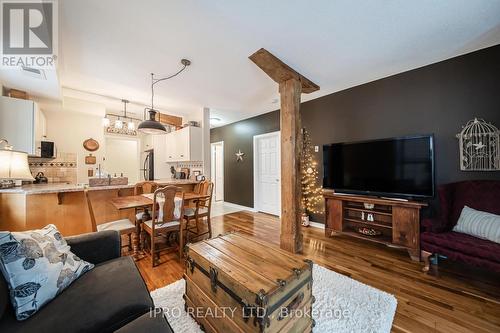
(110, 47)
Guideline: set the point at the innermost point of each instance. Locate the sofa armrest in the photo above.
(96, 247)
(433, 225)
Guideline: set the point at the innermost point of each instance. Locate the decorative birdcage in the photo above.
(479, 146)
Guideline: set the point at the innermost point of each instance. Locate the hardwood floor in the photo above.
(459, 300)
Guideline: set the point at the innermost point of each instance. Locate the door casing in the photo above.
(255, 168)
(214, 167)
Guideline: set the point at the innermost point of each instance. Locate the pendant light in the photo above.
(151, 125)
(118, 124)
(105, 121)
(130, 124)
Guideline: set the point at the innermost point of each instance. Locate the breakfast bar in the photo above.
(34, 206)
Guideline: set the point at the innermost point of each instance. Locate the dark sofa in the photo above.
(438, 237)
(110, 297)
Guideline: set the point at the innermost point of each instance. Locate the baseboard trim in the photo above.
(253, 210)
(317, 225)
(239, 206)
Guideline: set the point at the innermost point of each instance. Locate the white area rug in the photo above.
(342, 305)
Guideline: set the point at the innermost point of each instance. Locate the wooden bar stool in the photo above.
(124, 226)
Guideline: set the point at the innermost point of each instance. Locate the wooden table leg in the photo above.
(146, 216)
(138, 253)
(181, 240)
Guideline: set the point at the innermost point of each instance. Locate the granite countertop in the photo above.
(63, 187)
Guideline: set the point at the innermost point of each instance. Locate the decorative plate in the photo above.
(91, 144)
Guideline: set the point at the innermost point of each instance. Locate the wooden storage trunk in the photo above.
(237, 283)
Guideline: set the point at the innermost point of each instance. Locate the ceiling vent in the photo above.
(34, 72)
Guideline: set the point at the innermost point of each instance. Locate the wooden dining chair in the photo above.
(165, 220)
(124, 226)
(144, 188)
(200, 211)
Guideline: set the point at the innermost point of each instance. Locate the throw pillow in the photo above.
(479, 224)
(37, 265)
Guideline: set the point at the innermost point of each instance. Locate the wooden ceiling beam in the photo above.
(291, 86)
(279, 71)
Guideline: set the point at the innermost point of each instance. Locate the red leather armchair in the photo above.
(438, 237)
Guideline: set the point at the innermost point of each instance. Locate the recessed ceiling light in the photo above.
(34, 72)
(214, 120)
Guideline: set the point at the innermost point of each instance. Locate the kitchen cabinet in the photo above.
(184, 145)
(146, 142)
(161, 169)
(40, 128)
(23, 124)
(170, 147)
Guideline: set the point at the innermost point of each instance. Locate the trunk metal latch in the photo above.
(213, 279)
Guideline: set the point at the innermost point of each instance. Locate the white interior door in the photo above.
(267, 173)
(217, 169)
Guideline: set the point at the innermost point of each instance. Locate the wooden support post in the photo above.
(291, 85)
(291, 149)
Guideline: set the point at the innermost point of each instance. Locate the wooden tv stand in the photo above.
(397, 221)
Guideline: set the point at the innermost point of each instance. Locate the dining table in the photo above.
(145, 202)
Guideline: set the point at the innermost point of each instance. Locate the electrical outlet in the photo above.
(316, 149)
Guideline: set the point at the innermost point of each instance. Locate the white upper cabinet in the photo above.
(40, 129)
(146, 142)
(170, 147)
(22, 123)
(184, 145)
(160, 168)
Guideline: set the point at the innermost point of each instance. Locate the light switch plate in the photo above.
(316, 149)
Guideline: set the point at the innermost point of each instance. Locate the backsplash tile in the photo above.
(62, 169)
(192, 165)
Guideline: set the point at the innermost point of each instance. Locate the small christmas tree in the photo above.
(312, 196)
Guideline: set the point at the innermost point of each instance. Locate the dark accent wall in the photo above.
(238, 176)
(436, 99)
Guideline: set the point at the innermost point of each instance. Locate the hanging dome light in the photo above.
(151, 125)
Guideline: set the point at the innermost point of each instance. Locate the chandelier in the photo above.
(117, 124)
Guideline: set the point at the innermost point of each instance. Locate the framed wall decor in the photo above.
(479, 146)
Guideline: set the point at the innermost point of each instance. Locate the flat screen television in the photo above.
(396, 167)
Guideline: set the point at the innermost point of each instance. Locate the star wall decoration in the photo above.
(239, 156)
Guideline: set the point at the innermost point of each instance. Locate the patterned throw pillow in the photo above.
(37, 265)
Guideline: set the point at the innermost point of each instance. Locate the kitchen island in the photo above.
(34, 206)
